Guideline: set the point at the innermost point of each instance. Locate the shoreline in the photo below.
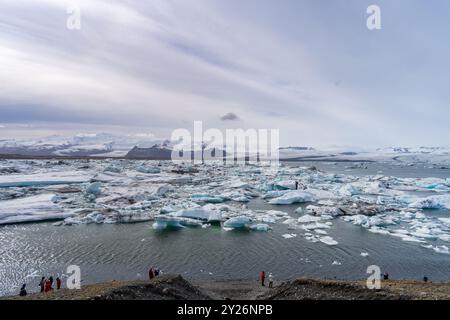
(175, 287)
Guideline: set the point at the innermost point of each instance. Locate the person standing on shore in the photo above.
(263, 278)
(47, 285)
(151, 273)
(58, 283)
(23, 291)
(42, 284)
(270, 280)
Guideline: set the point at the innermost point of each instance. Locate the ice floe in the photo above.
(35, 208)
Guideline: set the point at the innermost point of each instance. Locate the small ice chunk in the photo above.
(149, 170)
(307, 219)
(260, 227)
(441, 249)
(94, 189)
(328, 240)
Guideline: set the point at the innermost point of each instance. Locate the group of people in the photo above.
(46, 284)
(153, 272)
(263, 279)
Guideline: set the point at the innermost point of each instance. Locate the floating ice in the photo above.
(307, 219)
(260, 227)
(94, 189)
(42, 179)
(164, 222)
(199, 214)
(289, 235)
(328, 240)
(274, 194)
(285, 185)
(239, 222)
(206, 198)
(149, 170)
(292, 197)
(432, 202)
(35, 208)
(441, 249)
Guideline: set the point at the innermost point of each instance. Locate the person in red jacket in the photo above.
(58, 283)
(47, 285)
(263, 277)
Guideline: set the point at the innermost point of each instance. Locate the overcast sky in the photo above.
(309, 68)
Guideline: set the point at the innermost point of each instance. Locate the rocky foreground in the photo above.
(175, 287)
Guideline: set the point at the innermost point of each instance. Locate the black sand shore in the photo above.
(175, 287)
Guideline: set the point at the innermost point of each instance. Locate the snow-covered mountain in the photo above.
(147, 146)
(98, 144)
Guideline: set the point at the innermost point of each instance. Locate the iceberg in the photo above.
(42, 179)
(307, 219)
(94, 189)
(149, 170)
(239, 222)
(171, 222)
(274, 194)
(432, 202)
(293, 197)
(30, 209)
(328, 240)
(441, 249)
(199, 214)
(260, 227)
(207, 198)
(285, 185)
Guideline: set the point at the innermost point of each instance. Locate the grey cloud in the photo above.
(230, 116)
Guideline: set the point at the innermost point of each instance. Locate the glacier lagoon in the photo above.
(103, 213)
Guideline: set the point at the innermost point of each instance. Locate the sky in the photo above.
(310, 68)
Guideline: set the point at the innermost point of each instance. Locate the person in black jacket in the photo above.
(23, 291)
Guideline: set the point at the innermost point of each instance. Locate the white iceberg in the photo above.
(292, 197)
(42, 179)
(260, 227)
(199, 214)
(432, 202)
(239, 222)
(35, 208)
(307, 219)
(328, 240)
(94, 189)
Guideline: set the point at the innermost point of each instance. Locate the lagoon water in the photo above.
(126, 251)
